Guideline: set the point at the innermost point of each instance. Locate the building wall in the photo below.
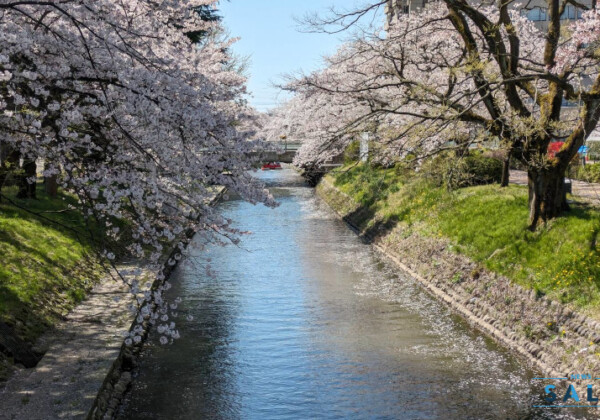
(535, 10)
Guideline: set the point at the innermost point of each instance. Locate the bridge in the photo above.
(285, 155)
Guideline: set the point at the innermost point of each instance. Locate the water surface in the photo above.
(304, 321)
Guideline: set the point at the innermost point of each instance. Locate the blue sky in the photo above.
(270, 36)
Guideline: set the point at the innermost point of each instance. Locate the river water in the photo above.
(304, 321)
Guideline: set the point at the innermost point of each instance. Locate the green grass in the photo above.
(46, 262)
(489, 225)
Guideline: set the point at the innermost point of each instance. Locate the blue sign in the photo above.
(554, 398)
(583, 150)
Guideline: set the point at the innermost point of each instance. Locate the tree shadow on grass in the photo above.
(37, 287)
(583, 210)
(360, 219)
(12, 344)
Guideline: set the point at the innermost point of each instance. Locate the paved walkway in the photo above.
(82, 349)
(81, 352)
(583, 191)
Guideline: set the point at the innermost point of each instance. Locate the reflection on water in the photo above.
(303, 321)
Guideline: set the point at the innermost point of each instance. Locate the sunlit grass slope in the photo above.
(489, 225)
(46, 262)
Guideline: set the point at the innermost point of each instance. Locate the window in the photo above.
(569, 13)
(568, 104)
(536, 14)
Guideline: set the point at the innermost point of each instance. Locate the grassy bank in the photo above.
(489, 225)
(46, 263)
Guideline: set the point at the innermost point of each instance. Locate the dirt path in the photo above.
(583, 190)
(81, 351)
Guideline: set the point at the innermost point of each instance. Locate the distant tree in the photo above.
(467, 69)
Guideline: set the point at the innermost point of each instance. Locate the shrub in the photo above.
(594, 150)
(458, 172)
(589, 173)
(352, 152)
(404, 169)
(482, 170)
(498, 154)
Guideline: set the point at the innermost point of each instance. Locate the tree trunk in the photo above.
(3, 170)
(26, 188)
(51, 186)
(2, 179)
(4, 156)
(505, 172)
(10, 162)
(547, 198)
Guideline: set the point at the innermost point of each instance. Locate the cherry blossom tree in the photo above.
(306, 120)
(132, 117)
(359, 92)
(464, 71)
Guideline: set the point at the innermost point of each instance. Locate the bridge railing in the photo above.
(291, 147)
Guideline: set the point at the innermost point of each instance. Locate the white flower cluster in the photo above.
(427, 83)
(134, 120)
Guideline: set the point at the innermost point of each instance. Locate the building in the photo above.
(535, 10)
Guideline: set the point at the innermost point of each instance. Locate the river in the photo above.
(304, 321)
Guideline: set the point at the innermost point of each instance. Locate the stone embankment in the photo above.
(86, 368)
(118, 378)
(553, 337)
(79, 353)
